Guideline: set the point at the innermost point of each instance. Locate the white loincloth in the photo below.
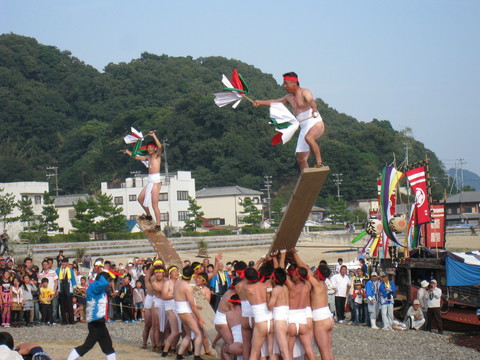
(297, 317)
(237, 334)
(183, 307)
(152, 179)
(148, 302)
(246, 309)
(280, 313)
(261, 313)
(306, 123)
(162, 317)
(322, 313)
(220, 318)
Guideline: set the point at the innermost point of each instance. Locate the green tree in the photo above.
(98, 215)
(7, 205)
(109, 215)
(195, 214)
(49, 214)
(85, 213)
(337, 209)
(357, 216)
(253, 216)
(26, 213)
(276, 207)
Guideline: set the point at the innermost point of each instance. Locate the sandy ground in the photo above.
(311, 254)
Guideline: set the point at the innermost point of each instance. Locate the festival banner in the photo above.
(418, 182)
(434, 232)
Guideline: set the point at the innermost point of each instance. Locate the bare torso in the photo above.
(167, 290)
(154, 163)
(299, 100)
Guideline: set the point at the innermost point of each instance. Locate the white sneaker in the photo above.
(375, 327)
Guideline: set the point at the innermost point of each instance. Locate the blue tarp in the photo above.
(461, 274)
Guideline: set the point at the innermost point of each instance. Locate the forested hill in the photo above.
(55, 110)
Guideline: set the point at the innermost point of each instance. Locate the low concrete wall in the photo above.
(328, 237)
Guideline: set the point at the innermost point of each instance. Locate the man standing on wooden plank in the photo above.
(149, 194)
(306, 112)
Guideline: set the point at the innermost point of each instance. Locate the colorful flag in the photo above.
(235, 89)
(418, 182)
(285, 123)
(136, 137)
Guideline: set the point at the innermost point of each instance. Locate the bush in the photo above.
(256, 230)
(34, 237)
(73, 237)
(124, 235)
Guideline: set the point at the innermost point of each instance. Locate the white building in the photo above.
(23, 190)
(173, 197)
(221, 205)
(66, 211)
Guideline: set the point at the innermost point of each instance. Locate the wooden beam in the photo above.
(168, 254)
(309, 184)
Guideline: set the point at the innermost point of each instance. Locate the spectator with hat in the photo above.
(66, 283)
(386, 290)
(433, 304)
(422, 296)
(371, 289)
(415, 319)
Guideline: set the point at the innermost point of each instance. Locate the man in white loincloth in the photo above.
(306, 112)
(149, 193)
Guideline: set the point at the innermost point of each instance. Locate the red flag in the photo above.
(236, 81)
(418, 182)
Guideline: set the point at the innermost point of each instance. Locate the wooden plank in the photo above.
(309, 184)
(168, 254)
(160, 243)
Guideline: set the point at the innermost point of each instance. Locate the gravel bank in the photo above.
(349, 342)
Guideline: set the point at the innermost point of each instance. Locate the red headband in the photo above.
(240, 273)
(234, 301)
(300, 276)
(290, 78)
(320, 276)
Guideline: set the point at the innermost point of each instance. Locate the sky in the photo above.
(413, 63)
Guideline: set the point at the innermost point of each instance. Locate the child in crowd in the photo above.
(28, 287)
(80, 292)
(45, 298)
(6, 295)
(138, 299)
(17, 303)
(359, 296)
(77, 310)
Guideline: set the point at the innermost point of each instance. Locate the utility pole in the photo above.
(268, 185)
(164, 145)
(406, 152)
(337, 181)
(53, 174)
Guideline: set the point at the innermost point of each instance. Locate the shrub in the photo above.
(124, 235)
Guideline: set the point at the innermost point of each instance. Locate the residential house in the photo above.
(463, 208)
(221, 205)
(173, 197)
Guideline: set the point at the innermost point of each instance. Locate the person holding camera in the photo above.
(97, 329)
(433, 303)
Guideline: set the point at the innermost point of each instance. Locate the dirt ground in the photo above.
(311, 254)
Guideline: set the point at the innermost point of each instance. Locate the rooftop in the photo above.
(226, 191)
(464, 197)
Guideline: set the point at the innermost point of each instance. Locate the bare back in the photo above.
(299, 295)
(319, 294)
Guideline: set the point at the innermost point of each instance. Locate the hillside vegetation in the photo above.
(55, 110)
